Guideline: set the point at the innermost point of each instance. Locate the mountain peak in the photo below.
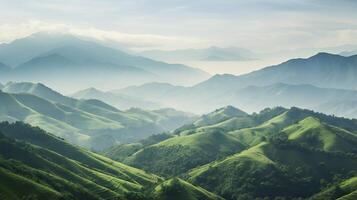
(325, 55)
(232, 111)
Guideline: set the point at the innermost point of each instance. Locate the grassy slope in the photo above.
(219, 115)
(122, 151)
(178, 189)
(13, 186)
(101, 176)
(312, 132)
(269, 169)
(254, 135)
(189, 150)
(345, 190)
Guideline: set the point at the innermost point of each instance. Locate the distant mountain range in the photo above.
(324, 82)
(60, 59)
(90, 123)
(207, 54)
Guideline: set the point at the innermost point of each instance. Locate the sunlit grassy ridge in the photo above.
(178, 189)
(179, 154)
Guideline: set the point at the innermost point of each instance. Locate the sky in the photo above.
(276, 29)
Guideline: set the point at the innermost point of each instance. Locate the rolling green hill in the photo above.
(273, 169)
(179, 154)
(178, 189)
(226, 122)
(254, 135)
(312, 132)
(57, 168)
(90, 123)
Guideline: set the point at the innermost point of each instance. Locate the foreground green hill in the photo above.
(273, 169)
(178, 189)
(52, 167)
(90, 123)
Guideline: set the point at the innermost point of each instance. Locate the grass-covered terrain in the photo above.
(181, 153)
(344, 190)
(178, 189)
(53, 167)
(289, 153)
(90, 123)
(273, 169)
(276, 153)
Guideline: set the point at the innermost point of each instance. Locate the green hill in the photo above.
(312, 132)
(346, 190)
(122, 151)
(178, 189)
(179, 154)
(90, 123)
(57, 167)
(254, 135)
(273, 169)
(219, 115)
(229, 119)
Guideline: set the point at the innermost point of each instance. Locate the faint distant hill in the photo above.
(60, 58)
(206, 54)
(120, 101)
(309, 83)
(348, 53)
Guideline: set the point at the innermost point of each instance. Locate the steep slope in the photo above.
(272, 169)
(118, 100)
(90, 123)
(189, 151)
(178, 189)
(62, 168)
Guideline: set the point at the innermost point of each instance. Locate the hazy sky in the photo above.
(258, 25)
